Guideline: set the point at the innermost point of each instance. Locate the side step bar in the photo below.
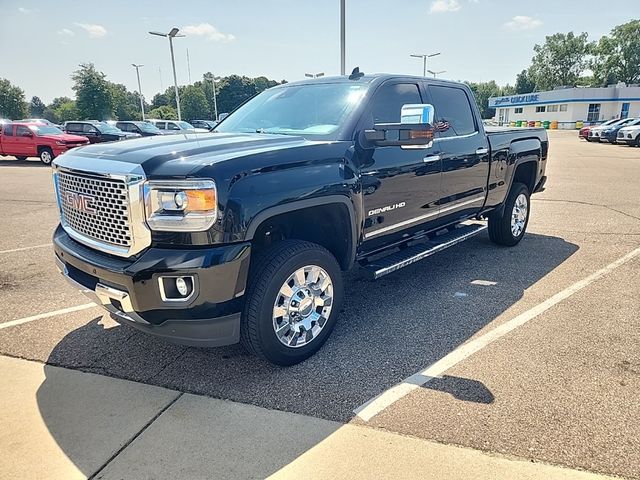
(414, 253)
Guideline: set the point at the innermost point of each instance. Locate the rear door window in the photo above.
(453, 113)
(8, 130)
(172, 126)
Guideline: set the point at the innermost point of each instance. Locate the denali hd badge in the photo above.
(80, 201)
(388, 208)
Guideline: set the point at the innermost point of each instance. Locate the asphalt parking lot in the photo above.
(562, 388)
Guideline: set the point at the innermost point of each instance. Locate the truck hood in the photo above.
(175, 156)
(65, 137)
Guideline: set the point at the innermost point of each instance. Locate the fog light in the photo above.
(182, 286)
(176, 289)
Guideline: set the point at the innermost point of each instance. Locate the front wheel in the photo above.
(293, 300)
(46, 156)
(509, 228)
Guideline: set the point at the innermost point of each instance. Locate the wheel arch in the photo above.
(333, 226)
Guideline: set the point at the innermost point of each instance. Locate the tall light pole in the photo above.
(213, 79)
(314, 75)
(173, 33)
(424, 57)
(435, 74)
(137, 67)
(342, 38)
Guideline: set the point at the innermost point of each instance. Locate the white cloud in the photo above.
(208, 31)
(441, 6)
(522, 22)
(94, 31)
(26, 11)
(66, 32)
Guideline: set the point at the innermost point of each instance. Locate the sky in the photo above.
(479, 40)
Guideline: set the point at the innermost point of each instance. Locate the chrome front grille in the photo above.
(101, 203)
(96, 207)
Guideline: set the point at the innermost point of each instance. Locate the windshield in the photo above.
(185, 126)
(147, 127)
(106, 128)
(45, 130)
(307, 110)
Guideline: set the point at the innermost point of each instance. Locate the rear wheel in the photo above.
(509, 228)
(46, 155)
(292, 303)
(638, 141)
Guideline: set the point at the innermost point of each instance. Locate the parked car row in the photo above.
(38, 137)
(624, 131)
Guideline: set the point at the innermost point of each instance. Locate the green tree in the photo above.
(50, 111)
(12, 101)
(617, 57)
(482, 91)
(36, 107)
(126, 104)
(66, 112)
(524, 82)
(165, 112)
(560, 60)
(159, 100)
(193, 103)
(93, 93)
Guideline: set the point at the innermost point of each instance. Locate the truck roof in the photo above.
(368, 78)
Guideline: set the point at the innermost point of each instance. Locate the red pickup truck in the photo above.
(22, 140)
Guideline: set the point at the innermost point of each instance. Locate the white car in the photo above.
(629, 135)
(596, 132)
(176, 126)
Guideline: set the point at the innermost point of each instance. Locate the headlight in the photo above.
(181, 205)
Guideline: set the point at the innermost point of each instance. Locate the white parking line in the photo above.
(40, 316)
(377, 404)
(24, 248)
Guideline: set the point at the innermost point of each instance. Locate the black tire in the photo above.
(21, 158)
(500, 225)
(588, 139)
(638, 141)
(46, 155)
(269, 274)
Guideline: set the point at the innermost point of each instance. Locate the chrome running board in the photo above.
(395, 261)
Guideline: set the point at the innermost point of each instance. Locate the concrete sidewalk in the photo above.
(59, 423)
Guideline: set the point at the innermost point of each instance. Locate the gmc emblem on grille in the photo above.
(80, 201)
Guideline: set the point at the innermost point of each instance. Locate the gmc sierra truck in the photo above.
(241, 235)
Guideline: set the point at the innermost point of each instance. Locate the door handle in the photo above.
(431, 159)
(482, 151)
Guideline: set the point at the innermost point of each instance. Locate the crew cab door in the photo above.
(8, 146)
(25, 144)
(464, 150)
(400, 185)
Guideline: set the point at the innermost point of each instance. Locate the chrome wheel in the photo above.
(45, 156)
(303, 306)
(519, 215)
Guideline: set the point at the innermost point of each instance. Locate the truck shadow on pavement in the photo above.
(387, 330)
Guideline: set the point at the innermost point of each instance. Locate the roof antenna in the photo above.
(356, 74)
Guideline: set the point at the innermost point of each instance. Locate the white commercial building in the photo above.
(569, 105)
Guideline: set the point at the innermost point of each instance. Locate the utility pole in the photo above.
(213, 79)
(424, 57)
(189, 66)
(160, 73)
(137, 67)
(342, 38)
(173, 33)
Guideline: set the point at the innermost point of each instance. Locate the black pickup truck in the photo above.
(241, 235)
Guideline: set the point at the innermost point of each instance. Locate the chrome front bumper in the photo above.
(104, 296)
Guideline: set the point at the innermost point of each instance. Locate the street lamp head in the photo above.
(320, 74)
(308, 75)
(174, 31)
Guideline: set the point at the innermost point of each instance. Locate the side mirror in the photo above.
(415, 128)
